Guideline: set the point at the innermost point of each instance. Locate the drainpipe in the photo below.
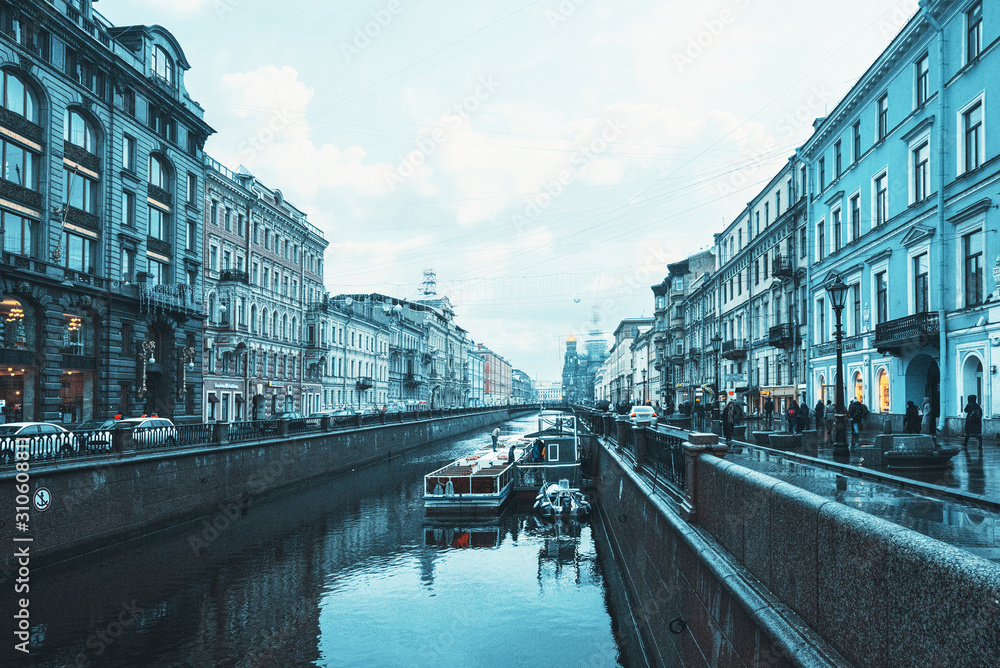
(945, 154)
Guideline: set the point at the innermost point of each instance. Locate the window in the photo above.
(855, 217)
(802, 242)
(254, 273)
(757, 222)
(856, 140)
(192, 189)
(80, 191)
(128, 208)
(163, 66)
(820, 241)
(79, 255)
(821, 320)
(974, 32)
(837, 159)
(227, 260)
(883, 391)
(881, 297)
(19, 98)
(821, 166)
(923, 75)
(160, 123)
(128, 153)
(921, 172)
(756, 272)
(159, 174)
(777, 203)
(239, 225)
(213, 258)
(972, 134)
(19, 233)
(883, 116)
(159, 223)
(921, 293)
(20, 165)
(79, 132)
(837, 233)
(192, 235)
(128, 264)
(881, 199)
(856, 320)
(159, 271)
(972, 250)
(256, 233)
(229, 219)
(128, 102)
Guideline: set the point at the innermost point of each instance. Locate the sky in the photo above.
(547, 159)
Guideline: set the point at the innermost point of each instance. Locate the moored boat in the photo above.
(478, 482)
(561, 500)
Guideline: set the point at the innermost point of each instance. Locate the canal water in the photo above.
(344, 571)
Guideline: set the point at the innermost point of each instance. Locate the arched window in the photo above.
(263, 323)
(883, 391)
(19, 98)
(159, 172)
(275, 332)
(294, 330)
(163, 65)
(17, 325)
(859, 387)
(79, 131)
(284, 327)
(211, 308)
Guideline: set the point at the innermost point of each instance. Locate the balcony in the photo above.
(412, 380)
(234, 275)
(364, 383)
(782, 267)
(781, 336)
(734, 350)
(694, 353)
(912, 331)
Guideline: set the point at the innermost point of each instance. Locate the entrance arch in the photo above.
(972, 380)
(923, 379)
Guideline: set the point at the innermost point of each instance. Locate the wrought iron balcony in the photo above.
(364, 383)
(733, 350)
(234, 275)
(781, 336)
(912, 331)
(782, 267)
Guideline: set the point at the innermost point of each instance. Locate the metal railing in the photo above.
(80, 444)
(665, 456)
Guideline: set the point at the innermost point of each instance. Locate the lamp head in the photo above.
(837, 290)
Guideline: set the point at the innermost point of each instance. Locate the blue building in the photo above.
(904, 184)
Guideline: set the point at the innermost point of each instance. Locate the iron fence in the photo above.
(665, 455)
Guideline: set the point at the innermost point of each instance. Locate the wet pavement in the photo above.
(948, 518)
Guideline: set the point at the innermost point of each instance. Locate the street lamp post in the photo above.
(644, 387)
(717, 349)
(837, 290)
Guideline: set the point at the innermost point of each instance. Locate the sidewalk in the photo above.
(949, 520)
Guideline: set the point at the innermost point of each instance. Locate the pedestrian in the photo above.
(857, 412)
(728, 420)
(496, 438)
(927, 425)
(818, 411)
(973, 422)
(768, 413)
(792, 415)
(510, 455)
(911, 419)
(803, 421)
(830, 416)
(699, 411)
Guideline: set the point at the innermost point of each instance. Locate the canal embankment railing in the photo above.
(729, 563)
(123, 487)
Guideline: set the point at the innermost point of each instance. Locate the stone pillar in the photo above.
(623, 425)
(326, 423)
(220, 433)
(122, 441)
(639, 431)
(696, 446)
(283, 428)
(609, 425)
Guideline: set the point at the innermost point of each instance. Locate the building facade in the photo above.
(476, 365)
(497, 388)
(903, 177)
(100, 214)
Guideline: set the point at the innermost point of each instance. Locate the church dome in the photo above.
(571, 339)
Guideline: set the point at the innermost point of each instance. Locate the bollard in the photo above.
(122, 441)
(220, 433)
(623, 425)
(326, 423)
(283, 428)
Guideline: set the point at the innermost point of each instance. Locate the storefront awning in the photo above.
(212, 399)
(240, 399)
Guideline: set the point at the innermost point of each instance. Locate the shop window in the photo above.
(859, 388)
(77, 334)
(883, 391)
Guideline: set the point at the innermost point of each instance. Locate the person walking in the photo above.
(496, 438)
(791, 416)
(927, 425)
(728, 421)
(803, 416)
(699, 411)
(857, 412)
(973, 422)
(818, 412)
(829, 416)
(911, 419)
(768, 413)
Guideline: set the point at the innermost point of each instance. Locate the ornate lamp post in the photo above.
(187, 362)
(717, 350)
(644, 386)
(837, 290)
(148, 348)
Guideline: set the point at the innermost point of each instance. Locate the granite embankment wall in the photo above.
(99, 501)
(750, 571)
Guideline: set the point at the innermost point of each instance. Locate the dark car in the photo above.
(603, 405)
(94, 434)
(296, 422)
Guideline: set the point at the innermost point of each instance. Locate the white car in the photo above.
(43, 439)
(642, 414)
(149, 432)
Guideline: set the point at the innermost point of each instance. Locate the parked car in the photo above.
(43, 440)
(94, 434)
(296, 422)
(642, 414)
(149, 432)
(603, 405)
